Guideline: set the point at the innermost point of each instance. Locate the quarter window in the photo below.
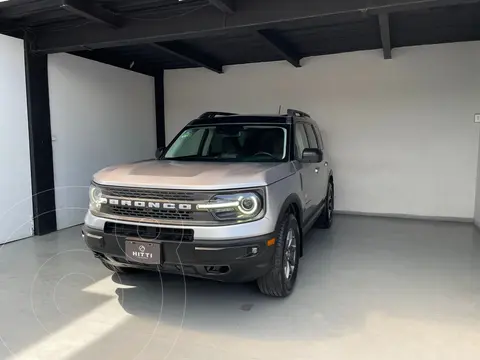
(319, 136)
(301, 140)
(312, 139)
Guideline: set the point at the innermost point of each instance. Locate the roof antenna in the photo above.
(280, 110)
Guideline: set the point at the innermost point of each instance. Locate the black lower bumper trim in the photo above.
(238, 260)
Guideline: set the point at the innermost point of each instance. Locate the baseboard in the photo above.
(70, 226)
(8, 242)
(408, 216)
(477, 224)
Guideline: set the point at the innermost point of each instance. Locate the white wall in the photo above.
(15, 179)
(100, 116)
(477, 201)
(400, 132)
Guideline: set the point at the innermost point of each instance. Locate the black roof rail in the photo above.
(293, 112)
(213, 114)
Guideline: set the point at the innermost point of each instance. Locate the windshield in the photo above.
(233, 143)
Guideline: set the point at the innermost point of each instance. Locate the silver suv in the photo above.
(230, 199)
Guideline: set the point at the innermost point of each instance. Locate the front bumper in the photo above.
(251, 229)
(232, 260)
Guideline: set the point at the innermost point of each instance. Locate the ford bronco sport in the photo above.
(230, 199)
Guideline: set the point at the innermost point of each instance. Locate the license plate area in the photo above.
(142, 252)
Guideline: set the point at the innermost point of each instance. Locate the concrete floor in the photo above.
(370, 288)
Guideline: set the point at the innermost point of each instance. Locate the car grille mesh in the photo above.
(149, 213)
(146, 214)
(150, 233)
(149, 194)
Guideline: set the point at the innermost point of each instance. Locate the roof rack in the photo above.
(293, 112)
(213, 114)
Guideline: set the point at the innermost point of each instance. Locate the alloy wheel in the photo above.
(330, 202)
(290, 256)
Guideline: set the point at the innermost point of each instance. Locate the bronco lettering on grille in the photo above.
(150, 204)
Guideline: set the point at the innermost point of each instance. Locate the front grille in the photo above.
(149, 232)
(151, 194)
(148, 213)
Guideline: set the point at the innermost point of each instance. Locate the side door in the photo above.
(307, 172)
(321, 168)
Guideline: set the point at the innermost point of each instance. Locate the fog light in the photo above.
(251, 251)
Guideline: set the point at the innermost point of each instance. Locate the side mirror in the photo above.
(159, 152)
(312, 155)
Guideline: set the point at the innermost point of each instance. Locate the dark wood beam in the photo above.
(225, 6)
(91, 11)
(16, 9)
(190, 55)
(250, 15)
(40, 136)
(160, 109)
(10, 3)
(104, 56)
(280, 46)
(7, 26)
(384, 23)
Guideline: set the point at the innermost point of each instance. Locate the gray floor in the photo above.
(370, 288)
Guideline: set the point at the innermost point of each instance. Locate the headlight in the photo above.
(96, 198)
(242, 206)
(249, 204)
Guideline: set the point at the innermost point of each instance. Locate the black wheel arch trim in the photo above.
(292, 199)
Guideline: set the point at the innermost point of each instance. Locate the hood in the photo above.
(189, 175)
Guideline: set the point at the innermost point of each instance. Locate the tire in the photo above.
(280, 281)
(116, 269)
(325, 219)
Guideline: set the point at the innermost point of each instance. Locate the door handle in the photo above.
(326, 163)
